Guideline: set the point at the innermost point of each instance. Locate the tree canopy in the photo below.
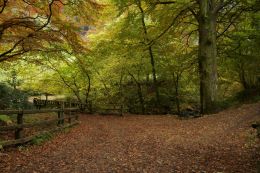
(143, 56)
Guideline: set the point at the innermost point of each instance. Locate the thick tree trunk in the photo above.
(207, 56)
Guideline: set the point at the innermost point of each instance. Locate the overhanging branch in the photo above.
(4, 56)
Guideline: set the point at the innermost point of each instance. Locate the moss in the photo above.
(42, 138)
(6, 119)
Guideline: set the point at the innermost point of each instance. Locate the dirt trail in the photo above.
(217, 143)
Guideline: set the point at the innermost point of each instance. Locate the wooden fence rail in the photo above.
(42, 103)
(18, 128)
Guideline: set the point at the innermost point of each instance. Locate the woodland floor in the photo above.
(224, 142)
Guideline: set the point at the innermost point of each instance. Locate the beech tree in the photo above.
(149, 56)
(209, 14)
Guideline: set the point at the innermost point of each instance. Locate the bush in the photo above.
(42, 138)
(245, 96)
(4, 120)
(10, 98)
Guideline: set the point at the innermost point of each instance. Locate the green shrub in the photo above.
(5, 119)
(42, 138)
(245, 96)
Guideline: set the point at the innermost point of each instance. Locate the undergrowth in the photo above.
(42, 138)
(6, 119)
(247, 96)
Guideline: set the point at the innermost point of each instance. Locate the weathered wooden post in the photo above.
(59, 112)
(18, 131)
(69, 112)
(62, 113)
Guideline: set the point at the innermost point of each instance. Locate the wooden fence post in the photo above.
(62, 113)
(69, 112)
(59, 116)
(18, 131)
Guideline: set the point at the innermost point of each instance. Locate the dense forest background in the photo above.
(142, 56)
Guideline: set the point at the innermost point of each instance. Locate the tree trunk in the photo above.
(207, 56)
(242, 76)
(141, 99)
(147, 40)
(88, 87)
(121, 94)
(155, 84)
(177, 96)
(139, 92)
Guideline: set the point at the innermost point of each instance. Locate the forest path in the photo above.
(216, 143)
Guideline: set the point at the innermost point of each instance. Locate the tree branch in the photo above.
(222, 4)
(168, 28)
(3, 56)
(164, 2)
(232, 21)
(3, 6)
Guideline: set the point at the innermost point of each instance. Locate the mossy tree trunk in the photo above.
(207, 56)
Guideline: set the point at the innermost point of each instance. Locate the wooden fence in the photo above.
(106, 110)
(65, 118)
(38, 103)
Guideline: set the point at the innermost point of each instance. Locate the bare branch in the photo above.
(169, 27)
(222, 4)
(233, 19)
(194, 13)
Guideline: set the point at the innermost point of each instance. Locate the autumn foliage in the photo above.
(36, 25)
